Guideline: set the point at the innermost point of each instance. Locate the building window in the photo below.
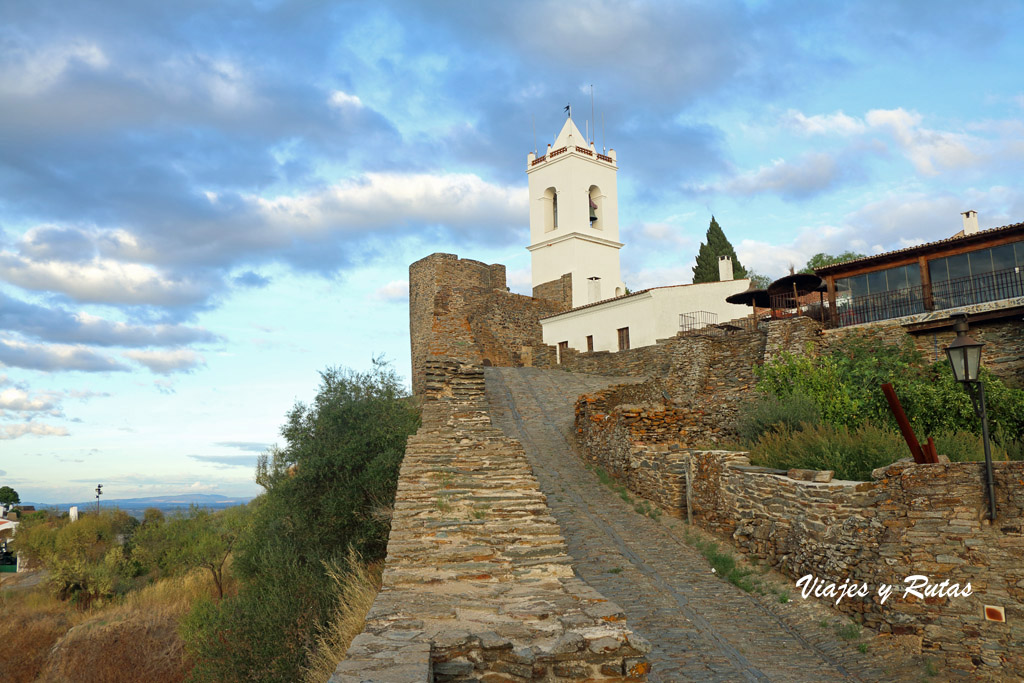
(880, 294)
(551, 209)
(623, 339)
(563, 347)
(595, 199)
(983, 275)
(590, 342)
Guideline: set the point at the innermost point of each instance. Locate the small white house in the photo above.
(642, 318)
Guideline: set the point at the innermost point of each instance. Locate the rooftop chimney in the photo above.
(970, 222)
(724, 268)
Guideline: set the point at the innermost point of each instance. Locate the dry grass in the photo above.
(133, 640)
(356, 585)
(31, 623)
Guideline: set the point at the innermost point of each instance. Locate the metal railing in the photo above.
(965, 291)
(695, 320)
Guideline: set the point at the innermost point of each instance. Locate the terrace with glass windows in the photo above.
(971, 268)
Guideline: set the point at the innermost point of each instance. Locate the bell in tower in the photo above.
(576, 183)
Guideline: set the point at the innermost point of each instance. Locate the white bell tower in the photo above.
(574, 217)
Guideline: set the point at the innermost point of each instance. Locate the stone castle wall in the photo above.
(556, 290)
(478, 584)
(461, 309)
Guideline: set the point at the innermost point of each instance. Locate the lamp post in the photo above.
(965, 358)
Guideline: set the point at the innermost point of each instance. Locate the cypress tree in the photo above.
(716, 245)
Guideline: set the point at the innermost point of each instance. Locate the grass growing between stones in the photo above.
(724, 565)
(641, 506)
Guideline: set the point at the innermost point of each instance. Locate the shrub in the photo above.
(852, 454)
(778, 413)
(845, 385)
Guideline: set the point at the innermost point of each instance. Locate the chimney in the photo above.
(724, 268)
(970, 222)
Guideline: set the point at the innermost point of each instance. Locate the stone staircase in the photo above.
(478, 584)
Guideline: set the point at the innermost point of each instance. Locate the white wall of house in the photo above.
(650, 315)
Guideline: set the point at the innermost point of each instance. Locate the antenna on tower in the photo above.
(592, 113)
(604, 140)
(534, 119)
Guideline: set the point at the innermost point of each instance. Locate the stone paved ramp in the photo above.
(701, 628)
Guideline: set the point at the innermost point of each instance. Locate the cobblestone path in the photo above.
(701, 627)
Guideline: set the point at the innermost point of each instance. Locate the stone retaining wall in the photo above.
(912, 519)
(478, 584)
(1003, 353)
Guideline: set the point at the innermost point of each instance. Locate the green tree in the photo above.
(821, 259)
(85, 558)
(716, 244)
(208, 539)
(329, 488)
(758, 280)
(8, 496)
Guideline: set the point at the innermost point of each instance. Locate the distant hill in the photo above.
(165, 503)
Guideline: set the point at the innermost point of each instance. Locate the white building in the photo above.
(574, 230)
(574, 217)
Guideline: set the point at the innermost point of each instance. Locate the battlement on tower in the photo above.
(461, 309)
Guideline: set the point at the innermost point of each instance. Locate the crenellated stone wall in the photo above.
(462, 309)
(478, 584)
(556, 290)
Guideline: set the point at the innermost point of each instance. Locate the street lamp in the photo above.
(965, 358)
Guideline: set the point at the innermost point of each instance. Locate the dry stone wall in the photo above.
(478, 584)
(1003, 353)
(911, 520)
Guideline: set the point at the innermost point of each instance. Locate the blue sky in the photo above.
(202, 205)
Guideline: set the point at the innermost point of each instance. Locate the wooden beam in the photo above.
(932, 325)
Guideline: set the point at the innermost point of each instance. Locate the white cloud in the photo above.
(824, 124)
(102, 280)
(806, 176)
(661, 236)
(33, 428)
(343, 100)
(929, 150)
(386, 200)
(167, 362)
(519, 280)
(17, 399)
(50, 357)
(396, 290)
(894, 222)
(33, 69)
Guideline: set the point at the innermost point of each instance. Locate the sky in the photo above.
(203, 205)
